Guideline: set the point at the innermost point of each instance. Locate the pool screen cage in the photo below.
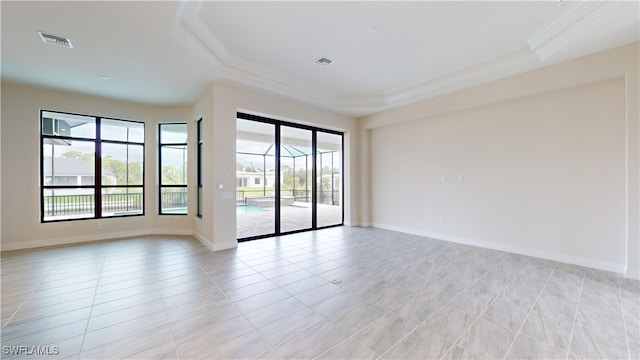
(295, 180)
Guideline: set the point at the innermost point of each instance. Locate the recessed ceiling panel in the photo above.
(384, 53)
(375, 45)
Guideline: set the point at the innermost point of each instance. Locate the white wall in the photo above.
(21, 227)
(549, 161)
(217, 106)
(203, 109)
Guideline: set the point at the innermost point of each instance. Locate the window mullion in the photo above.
(98, 170)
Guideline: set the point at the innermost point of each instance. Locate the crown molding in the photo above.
(499, 65)
(556, 38)
(233, 69)
(195, 35)
(508, 62)
(577, 22)
(247, 73)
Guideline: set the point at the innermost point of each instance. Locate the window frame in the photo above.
(160, 185)
(199, 155)
(97, 186)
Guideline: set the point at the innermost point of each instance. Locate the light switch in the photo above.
(220, 186)
(460, 178)
(443, 179)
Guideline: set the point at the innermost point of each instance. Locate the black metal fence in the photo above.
(242, 195)
(171, 200)
(329, 197)
(85, 204)
(68, 205)
(121, 202)
(326, 197)
(60, 205)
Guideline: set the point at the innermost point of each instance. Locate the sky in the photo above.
(84, 127)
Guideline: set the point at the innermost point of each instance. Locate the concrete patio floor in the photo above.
(293, 218)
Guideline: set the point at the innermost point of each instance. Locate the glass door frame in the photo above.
(314, 172)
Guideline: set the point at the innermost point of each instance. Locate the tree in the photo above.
(86, 157)
(301, 177)
(172, 175)
(135, 173)
(287, 177)
(117, 167)
(126, 174)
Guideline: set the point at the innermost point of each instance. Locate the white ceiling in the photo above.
(385, 54)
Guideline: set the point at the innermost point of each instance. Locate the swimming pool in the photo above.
(175, 211)
(248, 209)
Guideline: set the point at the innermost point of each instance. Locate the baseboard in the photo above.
(597, 264)
(632, 274)
(68, 240)
(543, 254)
(212, 245)
(203, 240)
(170, 231)
(218, 247)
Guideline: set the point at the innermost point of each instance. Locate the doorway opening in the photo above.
(288, 177)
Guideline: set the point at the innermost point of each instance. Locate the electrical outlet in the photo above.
(442, 220)
(98, 226)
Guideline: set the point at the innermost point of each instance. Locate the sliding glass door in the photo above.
(289, 177)
(296, 180)
(329, 179)
(255, 178)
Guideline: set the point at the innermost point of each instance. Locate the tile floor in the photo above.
(401, 296)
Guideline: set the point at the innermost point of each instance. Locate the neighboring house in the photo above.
(70, 171)
(248, 179)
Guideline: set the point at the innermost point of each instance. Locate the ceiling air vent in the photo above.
(55, 40)
(323, 62)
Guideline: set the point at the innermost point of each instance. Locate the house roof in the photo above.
(71, 167)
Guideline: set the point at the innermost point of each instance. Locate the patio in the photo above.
(296, 217)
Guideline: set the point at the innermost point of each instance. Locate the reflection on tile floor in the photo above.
(401, 296)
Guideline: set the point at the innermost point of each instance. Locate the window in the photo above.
(78, 149)
(199, 175)
(242, 182)
(173, 169)
(257, 181)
